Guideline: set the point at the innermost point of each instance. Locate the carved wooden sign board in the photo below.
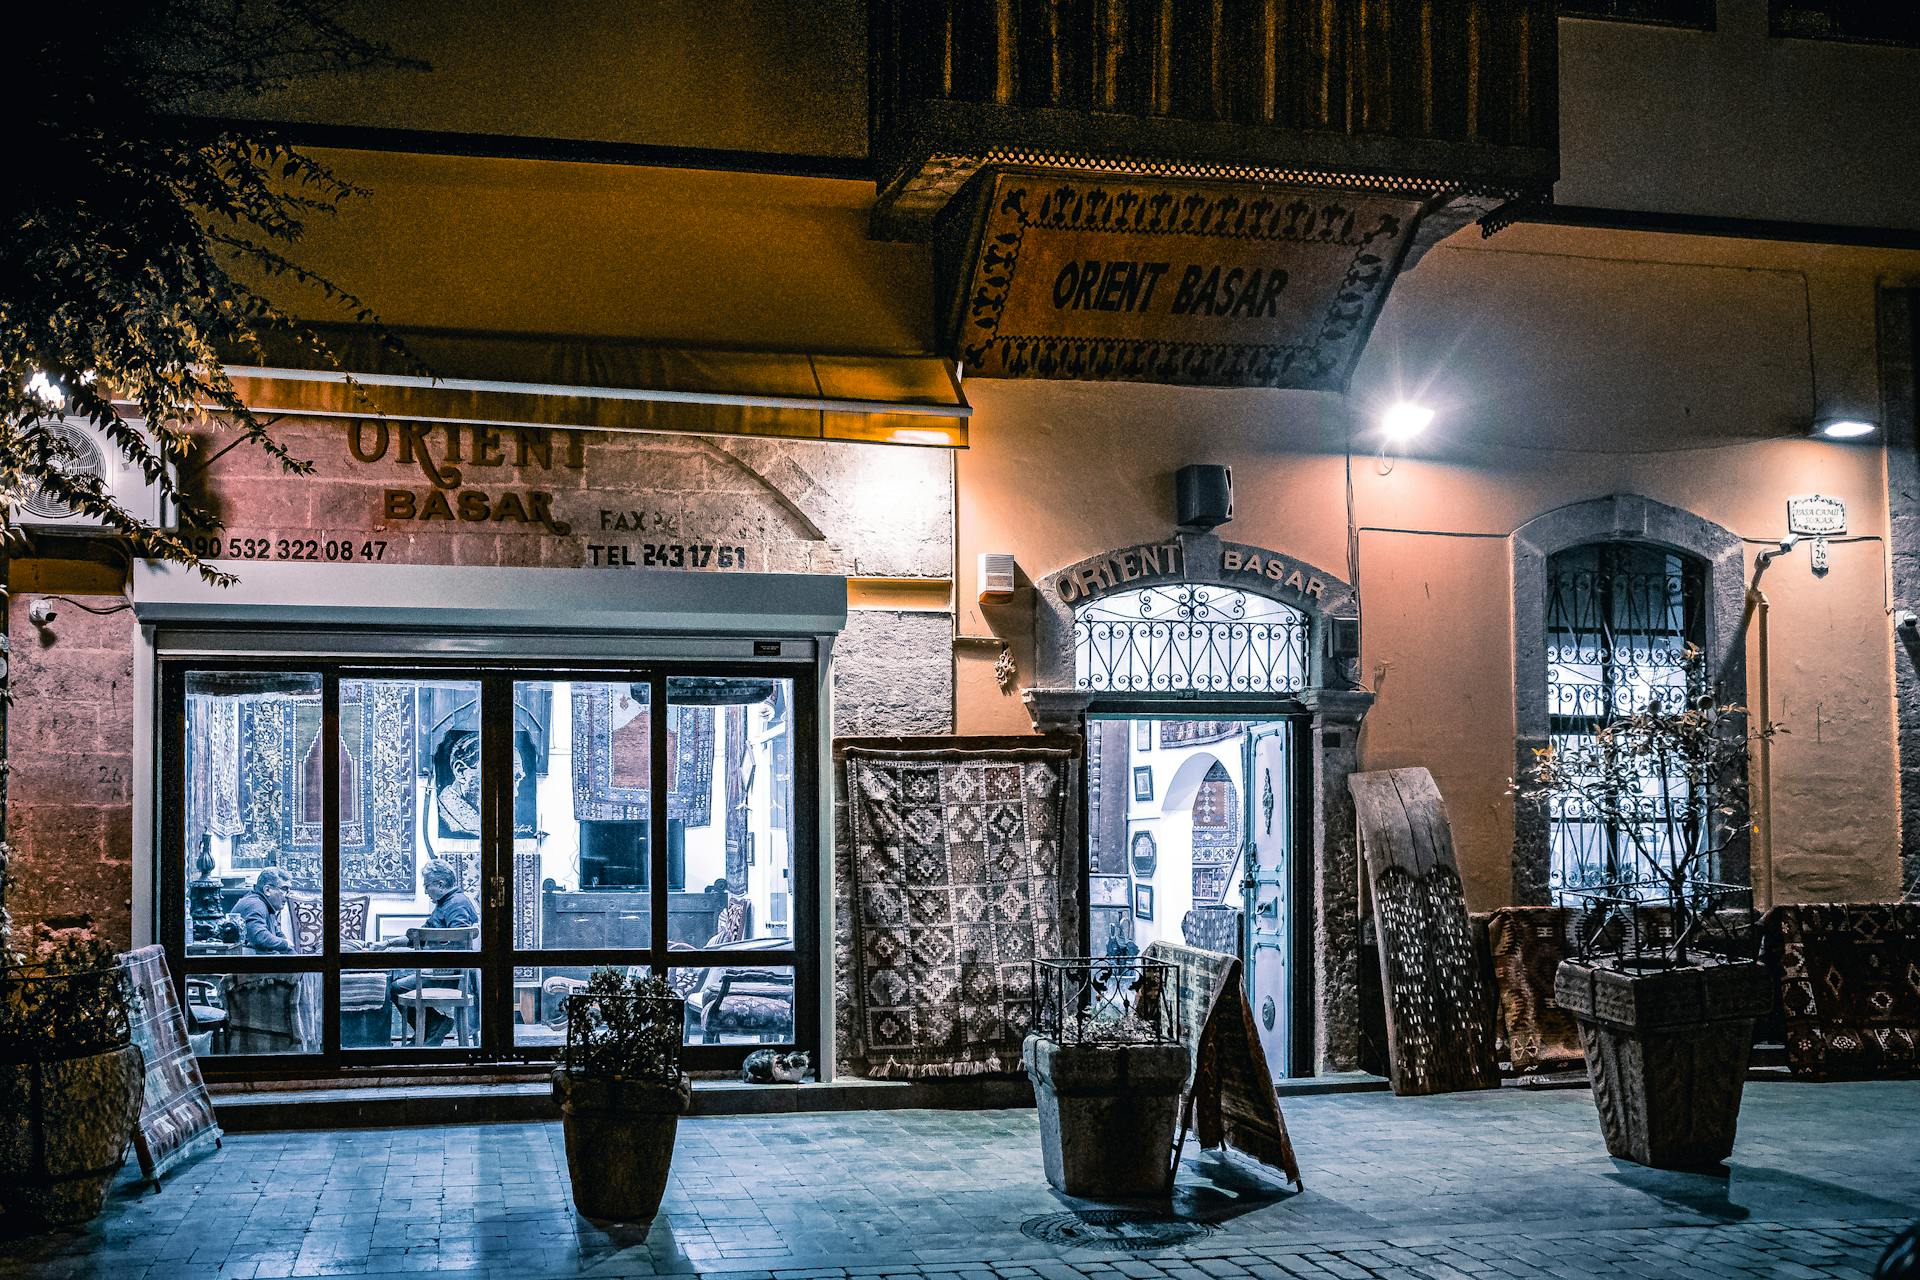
(1204, 284)
(1230, 1099)
(1439, 1016)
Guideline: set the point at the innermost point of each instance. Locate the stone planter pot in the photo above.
(619, 1142)
(1666, 1054)
(64, 1129)
(1107, 1115)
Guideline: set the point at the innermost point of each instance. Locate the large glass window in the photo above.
(1620, 617)
(404, 864)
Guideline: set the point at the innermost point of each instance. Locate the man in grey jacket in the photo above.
(259, 911)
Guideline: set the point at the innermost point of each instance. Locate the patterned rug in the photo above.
(957, 869)
(613, 754)
(280, 798)
(1527, 945)
(1850, 986)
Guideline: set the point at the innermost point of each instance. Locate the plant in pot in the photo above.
(621, 1093)
(1664, 1005)
(71, 1079)
(1108, 1069)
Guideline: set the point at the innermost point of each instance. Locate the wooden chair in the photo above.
(446, 991)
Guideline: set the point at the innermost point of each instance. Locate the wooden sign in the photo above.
(176, 1119)
(1230, 1099)
(1439, 1017)
(1219, 285)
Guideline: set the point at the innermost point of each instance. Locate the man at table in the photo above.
(452, 909)
(258, 911)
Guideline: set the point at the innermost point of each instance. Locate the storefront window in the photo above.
(1620, 617)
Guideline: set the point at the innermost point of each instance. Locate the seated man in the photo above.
(452, 909)
(259, 911)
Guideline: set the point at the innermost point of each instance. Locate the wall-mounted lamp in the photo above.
(40, 612)
(1403, 421)
(1844, 429)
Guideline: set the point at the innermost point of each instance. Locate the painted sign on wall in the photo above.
(1203, 284)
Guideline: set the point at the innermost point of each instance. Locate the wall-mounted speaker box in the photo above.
(996, 577)
(1343, 639)
(1203, 496)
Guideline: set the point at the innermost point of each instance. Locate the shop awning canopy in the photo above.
(513, 380)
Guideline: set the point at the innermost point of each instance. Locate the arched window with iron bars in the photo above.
(1620, 618)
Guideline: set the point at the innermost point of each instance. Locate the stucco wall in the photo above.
(1566, 366)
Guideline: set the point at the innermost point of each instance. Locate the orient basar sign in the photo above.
(1201, 284)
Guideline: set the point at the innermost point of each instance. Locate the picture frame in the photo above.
(392, 927)
(1144, 853)
(1107, 891)
(1143, 902)
(1143, 782)
(1143, 735)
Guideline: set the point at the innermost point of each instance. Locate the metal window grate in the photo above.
(1620, 617)
(1186, 637)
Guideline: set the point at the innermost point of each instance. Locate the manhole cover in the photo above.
(1123, 1230)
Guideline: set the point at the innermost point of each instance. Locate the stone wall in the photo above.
(893, 674)
(1899, 358)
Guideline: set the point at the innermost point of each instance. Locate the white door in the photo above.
(1268, 862)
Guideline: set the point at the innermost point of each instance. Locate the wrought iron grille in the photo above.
(1107, 1000)
(1202, 638)
(1620, 616)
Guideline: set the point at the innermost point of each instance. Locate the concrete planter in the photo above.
(64, 1129)
(620, 1137)
(1107, 1115)
(1666, 1054)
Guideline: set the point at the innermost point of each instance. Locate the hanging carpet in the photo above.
(956, 877)
(1527, 945)
(613, 754)
(1850, 986)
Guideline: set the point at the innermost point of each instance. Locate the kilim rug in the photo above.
(613, 753)
(957, 869)
(1850, 986)
(1528, 944)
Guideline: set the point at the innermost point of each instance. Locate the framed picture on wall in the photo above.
(1143, 901)
(1143, 735)
(1143, 782)
(1107, 891)
(393, 928)
(1146, 854)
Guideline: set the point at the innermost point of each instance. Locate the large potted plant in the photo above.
(1108, 1069)
(71, 1079)
(621, 1094)
(1664, 1004)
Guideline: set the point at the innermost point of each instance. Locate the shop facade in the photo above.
(595, 665)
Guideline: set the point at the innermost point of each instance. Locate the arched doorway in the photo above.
(1219, 716)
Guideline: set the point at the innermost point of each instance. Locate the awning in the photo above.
(593, 384)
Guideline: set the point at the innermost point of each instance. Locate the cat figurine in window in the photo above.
(764, 1066)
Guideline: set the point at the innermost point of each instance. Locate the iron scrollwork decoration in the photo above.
(1186, 636)
(1107, 1000)
(1620, 618)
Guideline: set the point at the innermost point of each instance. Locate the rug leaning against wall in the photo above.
(957, 868)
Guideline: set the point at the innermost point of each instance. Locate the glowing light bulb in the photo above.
(1404, 421)
(1846, 429)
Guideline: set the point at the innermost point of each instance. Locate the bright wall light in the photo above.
(1845, 429)
(1404, 421)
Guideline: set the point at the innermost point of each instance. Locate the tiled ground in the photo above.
(1494, 1184)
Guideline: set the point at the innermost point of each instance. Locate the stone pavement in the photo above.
(1511, 1182)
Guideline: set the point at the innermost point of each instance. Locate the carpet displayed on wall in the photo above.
(613, 755)
(1216, 834)
(739, 777)
(956, 865)
(213, 775)
(1527, 945)
(1190, 733)
(281, 796)
(1849, 985)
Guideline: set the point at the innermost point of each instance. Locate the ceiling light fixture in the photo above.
(1404, 421)
(1845, 429)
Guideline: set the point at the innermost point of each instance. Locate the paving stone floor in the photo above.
(1506, 1183)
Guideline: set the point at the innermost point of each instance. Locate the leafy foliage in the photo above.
(1672, 780)
(136, 241)
(621, 1028)
(63, 993)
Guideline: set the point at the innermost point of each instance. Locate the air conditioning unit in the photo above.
(91, 453)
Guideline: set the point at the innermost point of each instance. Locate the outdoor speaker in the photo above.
(1203, 495)
(1343, 639)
